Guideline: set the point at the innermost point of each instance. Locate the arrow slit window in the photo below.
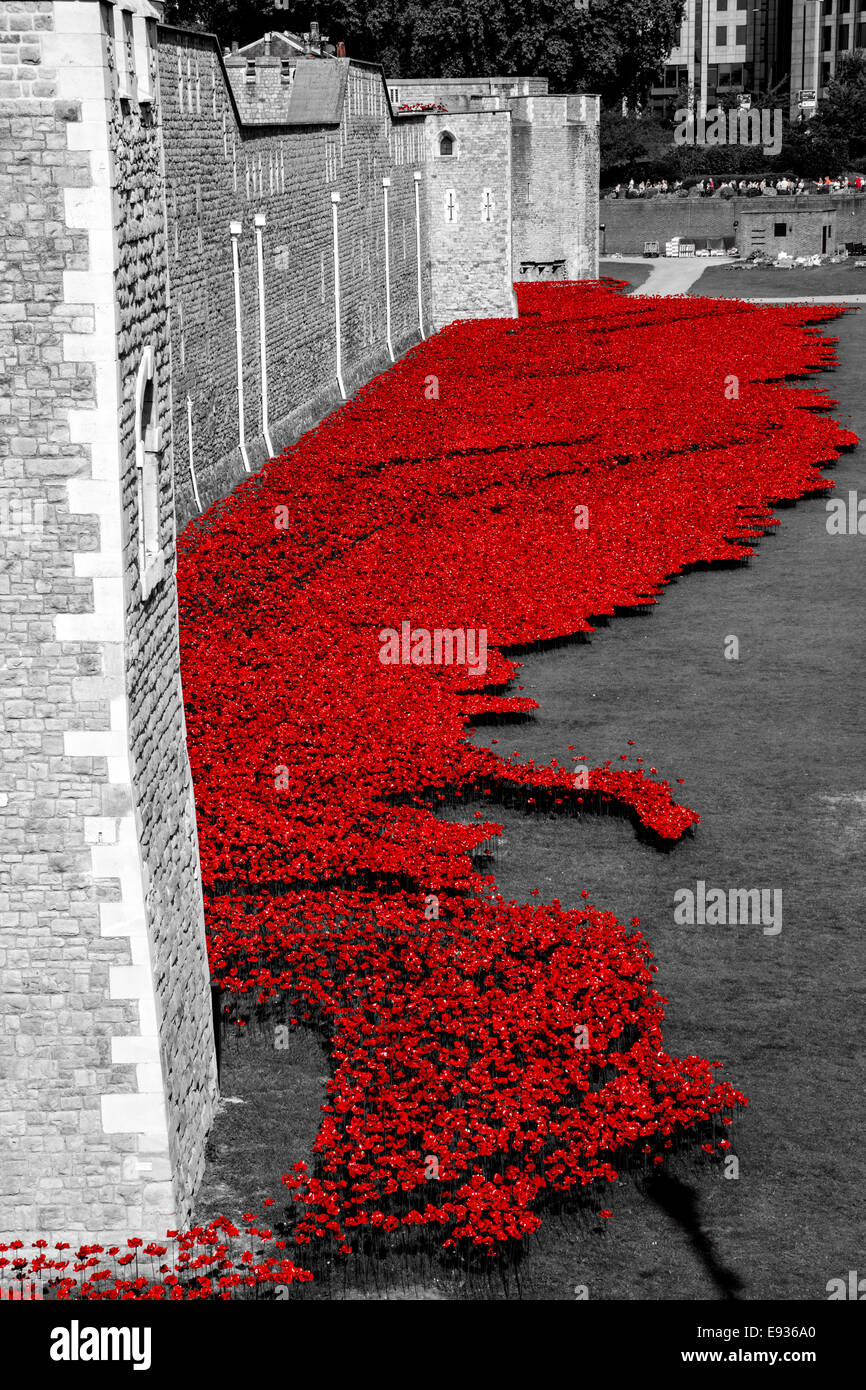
(148, 454)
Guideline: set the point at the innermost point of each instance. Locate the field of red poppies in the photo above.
(516, 479)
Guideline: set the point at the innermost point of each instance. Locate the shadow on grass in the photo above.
(680, 1203)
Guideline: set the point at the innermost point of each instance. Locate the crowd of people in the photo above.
(748, 188)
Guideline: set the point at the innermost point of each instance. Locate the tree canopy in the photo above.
(613, 47)
(841, 119)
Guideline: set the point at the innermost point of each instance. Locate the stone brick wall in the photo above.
(107, 1052)
(223, 165)
(262, 88)
(51, 958)
(555, 198)
(469, 215)
(218, 171)
(165, 808)
(805, 221)
(462, 93)
(630, 221)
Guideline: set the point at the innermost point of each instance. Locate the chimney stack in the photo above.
(267, 45)
(341, 49)
(234, 45)
(314, 33)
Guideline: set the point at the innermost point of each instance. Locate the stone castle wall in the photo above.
(219, 171)
(469, 214)
(263, 89)
(555, 202)
(107, 1057)
(54, 1054)
(462, 93)
(165, 808)
(131, 181)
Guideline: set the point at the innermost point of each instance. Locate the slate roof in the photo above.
(318, 92)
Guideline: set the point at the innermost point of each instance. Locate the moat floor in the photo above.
(771, 750)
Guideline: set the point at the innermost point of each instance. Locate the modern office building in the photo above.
(822, 32)
(725, 48)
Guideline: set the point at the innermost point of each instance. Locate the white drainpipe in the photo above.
(236, 228)
(191, 466)
(335, 199)
(386, 185)
(417, 178)
(260, 221)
